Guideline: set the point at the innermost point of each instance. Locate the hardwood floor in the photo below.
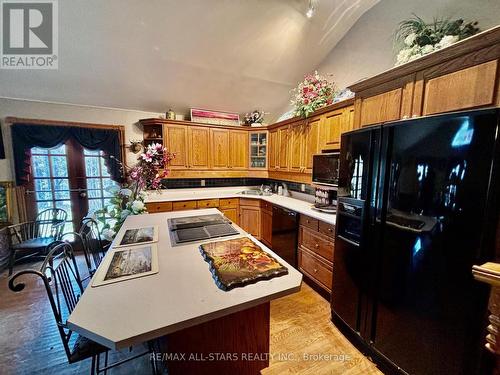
(300, 325)
(301, 330)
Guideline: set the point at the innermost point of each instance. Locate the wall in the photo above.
(367, 49)
(65, 112)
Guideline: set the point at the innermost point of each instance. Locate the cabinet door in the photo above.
(176, 141)
(296, 143)
(282, 161)
(273, 147)
(267, 228)
(463, 89)
(250, 220)
(231, 214)
(198, 140)
(219, 154)
(332, 126)
(311, 143)
(380, 108)
(348, 119)
(238, 149)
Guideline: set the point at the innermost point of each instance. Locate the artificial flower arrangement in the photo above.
(312, 93)
(255, 117)
(419, 38)
(151, 168)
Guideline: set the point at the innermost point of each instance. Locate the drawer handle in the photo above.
(307, 221)
(316, 245)
(315, 270)
(330, 230)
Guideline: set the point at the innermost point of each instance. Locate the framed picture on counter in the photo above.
(127, 263)
(135, 236)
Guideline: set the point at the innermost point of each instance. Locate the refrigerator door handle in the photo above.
(347, 240)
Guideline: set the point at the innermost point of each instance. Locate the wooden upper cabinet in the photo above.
(311, 143)
(295, 146)
(199, 147)
(219, 150)
(176, 142)
(273, 148)
(462, 76)
(283, 148)
(331, 128)
(380, 108)
(466, 88)
(238, 149)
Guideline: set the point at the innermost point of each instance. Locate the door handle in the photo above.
(83, 194)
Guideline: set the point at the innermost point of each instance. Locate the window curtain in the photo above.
(26, 136)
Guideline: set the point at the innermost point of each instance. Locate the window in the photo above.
(72, 178)
(98, 180)
(51, 180)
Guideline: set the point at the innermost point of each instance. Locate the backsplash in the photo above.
(227, 182)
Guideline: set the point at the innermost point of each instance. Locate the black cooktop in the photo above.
(196, 228)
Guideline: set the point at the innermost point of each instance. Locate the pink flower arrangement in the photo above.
(312, 93)
(151, 168)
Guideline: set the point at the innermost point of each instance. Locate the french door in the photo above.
(70, 177)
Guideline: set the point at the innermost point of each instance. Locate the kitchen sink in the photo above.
(254, 192)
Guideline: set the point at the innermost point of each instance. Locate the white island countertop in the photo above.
(291, 203)
(182, 294)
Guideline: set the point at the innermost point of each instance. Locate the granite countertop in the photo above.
(182, 294)
(292, 203)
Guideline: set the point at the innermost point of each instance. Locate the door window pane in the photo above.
(51, 183)
(40, 165)
(59, 166)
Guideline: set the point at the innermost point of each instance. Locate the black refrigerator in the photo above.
(417, 207)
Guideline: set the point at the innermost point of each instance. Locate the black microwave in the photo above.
(326, 169)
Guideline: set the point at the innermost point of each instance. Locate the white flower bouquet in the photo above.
(417, 38)
(129, 200)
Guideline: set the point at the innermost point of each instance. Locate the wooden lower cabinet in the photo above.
(267, 226)
(230, 207)
(154, 207)
(250, 217)
(315, 251)
(232, 214)
(184, 205)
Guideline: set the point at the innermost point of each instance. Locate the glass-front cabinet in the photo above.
(258, 149)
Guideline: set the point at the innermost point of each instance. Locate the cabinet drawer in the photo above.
(327, 229)
(316, 244)
(249, 202)
(309, 222)
(266, 206)
(229, 203)
(184, 205)
(208, 203)
(159, 207)
(316, 269)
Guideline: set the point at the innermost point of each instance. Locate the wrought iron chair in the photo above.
(61, 279)
(93, 246)
(33, 237)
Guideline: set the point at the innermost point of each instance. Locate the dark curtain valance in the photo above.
(26, 136)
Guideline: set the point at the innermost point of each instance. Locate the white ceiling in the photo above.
(233, 55)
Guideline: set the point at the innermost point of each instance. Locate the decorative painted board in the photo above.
(239, 262)
(136, 236)
(207, 116)
(127, 263)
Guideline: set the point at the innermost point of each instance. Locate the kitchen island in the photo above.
(182, 303)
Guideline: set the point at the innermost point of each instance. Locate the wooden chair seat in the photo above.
(84, 348)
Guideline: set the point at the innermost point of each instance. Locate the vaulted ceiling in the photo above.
(233, 55)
